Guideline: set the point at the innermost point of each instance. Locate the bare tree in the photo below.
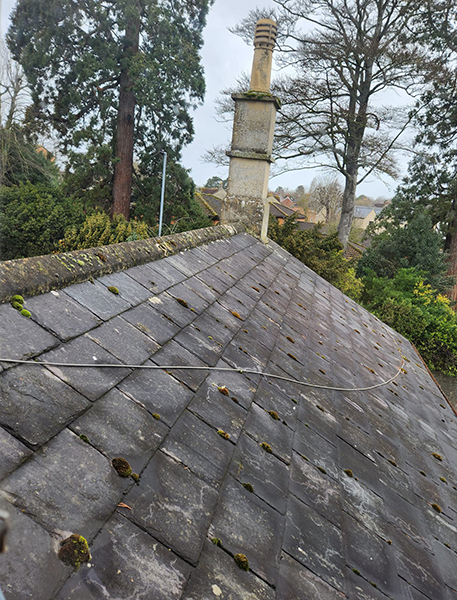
(14, 93)
(344, 54)
(326, 193)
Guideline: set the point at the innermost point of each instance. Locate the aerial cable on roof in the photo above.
(191, 368)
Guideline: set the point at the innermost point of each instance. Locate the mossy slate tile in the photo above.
(127, 563)
(60, 314)
(315, 542)
(12, 453)
(199, 447)
(30, 567)
(173, 505)
(129, 290)
(217, 575)
(89, 381)
(67, 485)
(98, 299)
(119, 427)
(36, 404)
(152, 323)
(268, 476)
(21, 337)
(247, 525)
(158, 392)
(264, 429)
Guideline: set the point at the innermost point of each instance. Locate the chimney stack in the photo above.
(252, 140)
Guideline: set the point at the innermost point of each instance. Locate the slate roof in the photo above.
(357, 498)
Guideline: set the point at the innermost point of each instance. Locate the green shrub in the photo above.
(99, 230)
(33, 218)
(415, 310)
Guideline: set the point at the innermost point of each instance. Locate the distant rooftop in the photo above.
(329, 494)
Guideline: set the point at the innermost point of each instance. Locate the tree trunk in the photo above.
(347, 208)
(451, 247)
(123, 169)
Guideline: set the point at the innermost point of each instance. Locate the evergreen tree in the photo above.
(115, 78)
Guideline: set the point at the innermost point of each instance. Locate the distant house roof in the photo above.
(361, 212)
(329, 493)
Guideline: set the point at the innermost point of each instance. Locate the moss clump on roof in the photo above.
(248, 487)
(443, 479)
(321, 469)
(135, 477)
(74, 551)
(348, 472)
(223, 434)
(423, 473)
(437, 456)
(16, 306)
(17, 298)
(242, 561)
(274, 415)
(216, 542)
(237, 315)
(290, 355)
(266, 447)
(84, 438)
(392, 462)
(156, 416)
(291, 339)
(223, 390)
(25, 313)
(113, 290)
(436, 507)
(122, 467)
(182, 302)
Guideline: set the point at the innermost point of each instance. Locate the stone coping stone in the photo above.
(199, 447)
(67, 486)
(39, 274)
(173, 505)
(217, 575)
(20, 337)
(127, 563)
(36, 404)
(30, 567)
(157, 392)
(119, 427)
(247, 525)
(12, 453)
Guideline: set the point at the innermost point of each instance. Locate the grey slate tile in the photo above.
(217, 575)
(195, 302)
(317, 450)
(97, 299)
(158, 392)
(36, 404)
(124, 341)
(66, 486)
(246, 525)
(164, 268)
(129, 564)
(90, 381)
(173, 505)
(117, 426)
(206, 347)
(12, 453)
(60, 314)
(152, 323)
(199, 447)
(20, 337)
(307, 538)
(149, 279)
(268, 476)
(40, 573)
(129, 290)
(261, 426)
(365, 506)
(173, 354)
(169, 306)
(315, 489)
(296, 581)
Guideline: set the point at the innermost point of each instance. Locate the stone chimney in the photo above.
(252, 140)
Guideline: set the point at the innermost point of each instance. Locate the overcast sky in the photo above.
(225, 56)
